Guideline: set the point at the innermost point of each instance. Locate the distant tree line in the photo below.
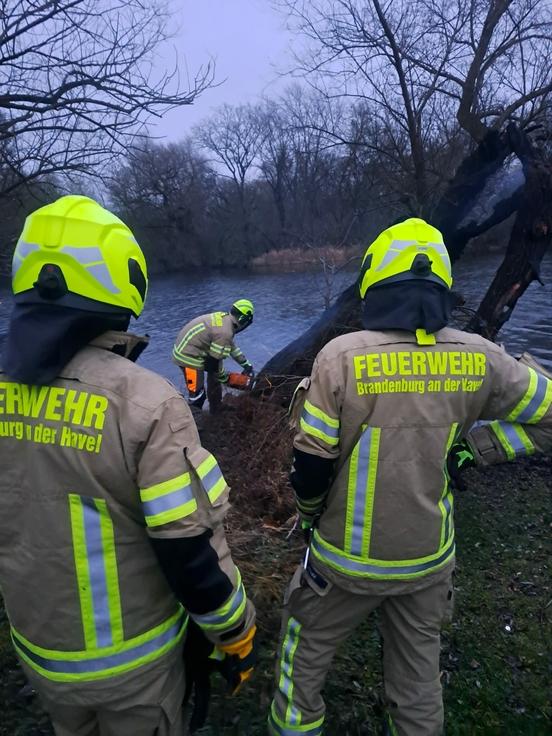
(412, 107)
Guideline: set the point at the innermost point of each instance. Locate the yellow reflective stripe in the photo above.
(188, 360)
(212, 478)
(351, 489)
(216, 319)
(369, 507)
(380, 569)
(189, 335)
(513, 439)
(227, 615)
(285, 685)
(533, 381)
(82, 570)
(315, 432)
(167, 486)
(536, 401)
(105, 652)
(278, 727)
(168, 501)
(444, 511)
(326, 418)
(111, 573)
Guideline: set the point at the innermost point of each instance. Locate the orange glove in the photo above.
(240, 660)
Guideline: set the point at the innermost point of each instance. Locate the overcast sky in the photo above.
(249, 42)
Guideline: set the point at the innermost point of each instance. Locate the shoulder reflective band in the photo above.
(319, 424)
(192, 332)
(228, 614)
(513, 439)
(168, 501)
(277, 727)
(211, 477)
(96, 570)
(380, 569)
(363, 465)
(103, 662)
(536, 401)
(216, 319)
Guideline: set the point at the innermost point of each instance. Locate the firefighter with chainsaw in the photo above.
(382, 425)
(201, 347)
(111, 512)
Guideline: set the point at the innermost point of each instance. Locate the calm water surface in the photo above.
(286, 304)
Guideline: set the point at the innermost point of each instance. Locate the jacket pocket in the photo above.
(298, 402)
(214, 489)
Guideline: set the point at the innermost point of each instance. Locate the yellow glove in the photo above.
(241, 658)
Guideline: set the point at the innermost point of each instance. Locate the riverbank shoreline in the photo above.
(495, 654)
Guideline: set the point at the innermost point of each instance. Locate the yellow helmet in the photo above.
(243, 310)
(412, 249)
(73, 252)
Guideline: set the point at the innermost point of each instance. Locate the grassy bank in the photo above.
(496, 660)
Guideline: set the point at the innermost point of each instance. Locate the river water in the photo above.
(287, 303)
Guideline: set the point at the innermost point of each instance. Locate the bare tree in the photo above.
(80, 79)
(233, 136)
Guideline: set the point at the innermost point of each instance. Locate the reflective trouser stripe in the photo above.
(536, 401)
(390, 728)
(361, 490)
(280, 728)
(379, 569)
(513, 439)
(285, 684)
(228, 614)
(102, 662)
(96, 569)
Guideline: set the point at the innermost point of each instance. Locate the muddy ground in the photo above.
(496, 656)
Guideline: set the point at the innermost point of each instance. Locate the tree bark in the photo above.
(530, 239)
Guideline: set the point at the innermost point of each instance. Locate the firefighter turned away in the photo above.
(383, 430)
(201, 347)
(111, 512)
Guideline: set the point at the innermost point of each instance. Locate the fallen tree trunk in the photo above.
(530, 238)
(462, 192)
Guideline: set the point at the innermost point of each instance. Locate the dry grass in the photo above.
(299, 257)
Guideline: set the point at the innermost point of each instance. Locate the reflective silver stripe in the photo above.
(361, 492)
(169, 501)
(291, 642)
(212, 478)
(320, 424)
(365, 568)
(189, 335)
(534, 405)
(96, 568)
(516, 446)
(219, 619)
(92, 260)
(290, 730)
(396, 247)
(448, 507)
(97, 664)
(21, 252)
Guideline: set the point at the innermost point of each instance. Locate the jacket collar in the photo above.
(123, 343)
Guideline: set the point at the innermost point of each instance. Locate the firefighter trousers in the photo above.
(317, 620)
(149, 704)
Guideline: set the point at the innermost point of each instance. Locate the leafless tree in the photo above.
(80, 79)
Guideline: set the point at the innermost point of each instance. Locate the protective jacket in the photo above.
(94, 466)
(386, 411)
(211, 335)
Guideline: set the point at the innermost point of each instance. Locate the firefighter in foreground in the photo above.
(203, 344)
(382, 411)
(110, 510)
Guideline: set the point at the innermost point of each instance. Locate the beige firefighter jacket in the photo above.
(93, 465)
(210, 335)
(387, 410)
